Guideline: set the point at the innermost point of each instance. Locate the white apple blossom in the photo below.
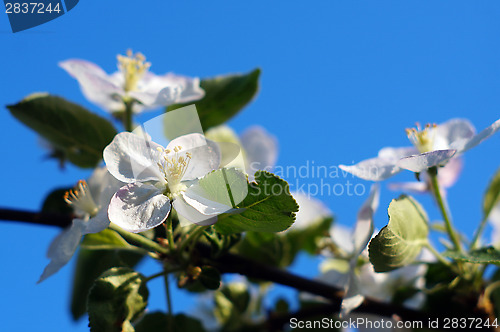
(259, 148)
(447, 177)
(158, 178)
(90, 203)
(357, 280)
(494, 220)
(434, 145)
(133, 81)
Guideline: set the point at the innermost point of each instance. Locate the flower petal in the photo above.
(137, 207)
(363, 230)
(95, 84)
(205, 154)
(416, 187)
(448, 175)
(310, 210)
(397, 153)
(97, 223)
(261, 149)
(374, 169)
(422, 162)
(62, 248)
(188, 214)
(131, 158)
(196, 196)
(103, 186)
(464, 145)
(454, 130)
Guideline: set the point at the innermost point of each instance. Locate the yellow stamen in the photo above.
(81, 198)
(133, 68)
(422, 139)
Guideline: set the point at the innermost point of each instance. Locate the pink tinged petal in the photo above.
(374, 169)
(97, 223)
(130, 158)
(422, 162)
(463, 146)
(62, 248)
(310, 210)
(416, 187)
(95, 84)
(137, 207)
(189, 215)
(448, 175)
(261, 149)
(454, 130)
(205, 154)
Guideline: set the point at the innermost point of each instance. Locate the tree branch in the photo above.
(231, 263)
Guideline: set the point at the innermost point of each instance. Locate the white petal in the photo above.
(196, 196)
(374, 169)
(131, 158)
(353, 297)
(422, 162)
(137, 207)
(62, 248)
(416, 187)
(465, 145)
(188, 213)
(341, 236)
(205, 154)
(494, 219)
(363, 229)
(97, 223)
(103, 186)
(396, 153)
(95, 84)
(261, 149)
(310, 210)
(454, 130)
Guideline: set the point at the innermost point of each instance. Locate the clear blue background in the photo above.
(340, 80)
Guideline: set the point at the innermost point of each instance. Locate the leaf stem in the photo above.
(478, 233)
(192, 238)
(140, 240)
(443, 208)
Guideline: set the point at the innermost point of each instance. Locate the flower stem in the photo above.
(478, 233)
(443, 208)
(193, 237)
(140, 240)
(170, 316)
(437, 255)
(170, 233)
(127, 117)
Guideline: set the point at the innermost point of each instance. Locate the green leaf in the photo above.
(492, 195)
(224, 97)
(90, 265)
(107, 239)
(307, 239)
(118, 297)
(210, 277)
(158, 321)
(225, 186)
(400, 242)
(80, 134)
(268, 207)
(486, 255)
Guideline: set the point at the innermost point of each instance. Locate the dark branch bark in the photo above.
(230, 263)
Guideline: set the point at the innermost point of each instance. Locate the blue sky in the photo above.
(340, 80)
